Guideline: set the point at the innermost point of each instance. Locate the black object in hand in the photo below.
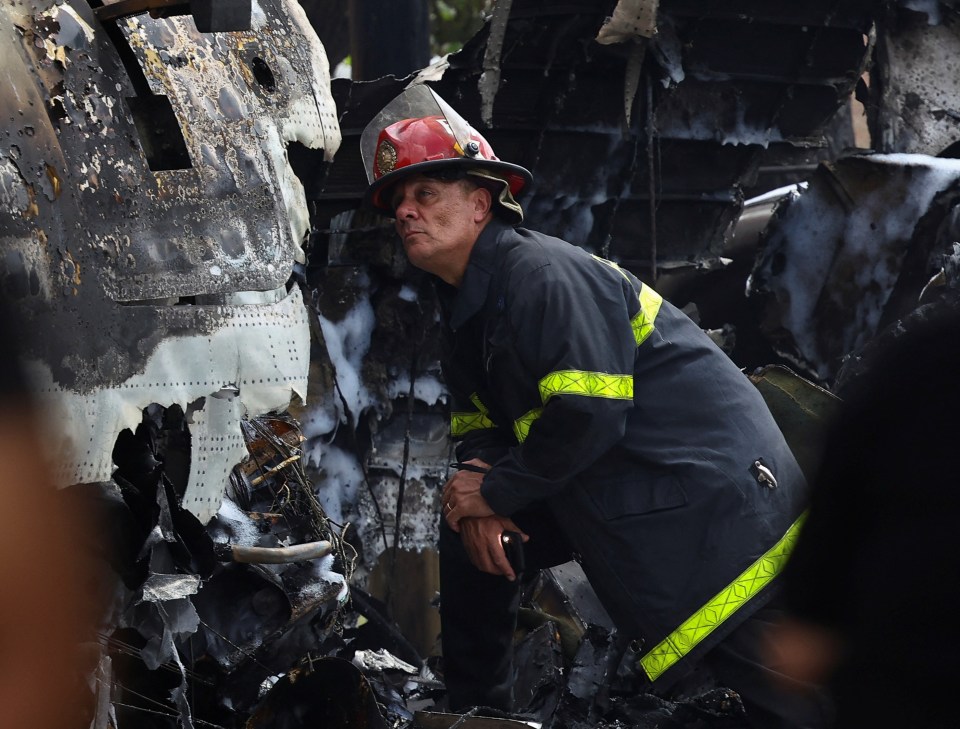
(469, 467)
(512, 544)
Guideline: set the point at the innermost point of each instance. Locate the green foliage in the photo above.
(454, 22)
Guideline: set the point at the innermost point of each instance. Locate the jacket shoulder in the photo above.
(524, 252)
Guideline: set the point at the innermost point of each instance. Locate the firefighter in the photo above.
(596, 421)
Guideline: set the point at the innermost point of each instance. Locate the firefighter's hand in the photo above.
(802, 652)
(462, 498)
(481, 538)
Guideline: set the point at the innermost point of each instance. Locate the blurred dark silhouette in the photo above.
(47, 612)
(872, 586)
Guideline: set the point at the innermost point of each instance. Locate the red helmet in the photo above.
(421, 143)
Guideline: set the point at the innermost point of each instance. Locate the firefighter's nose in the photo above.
(404, 209)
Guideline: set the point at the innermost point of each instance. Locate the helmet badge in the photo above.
(386, 157)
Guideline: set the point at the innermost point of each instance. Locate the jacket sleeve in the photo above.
(472, 426)
(575, 340)
(478, 435)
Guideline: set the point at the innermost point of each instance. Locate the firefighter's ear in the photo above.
(482, 203)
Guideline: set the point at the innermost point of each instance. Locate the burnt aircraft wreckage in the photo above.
(235, 364)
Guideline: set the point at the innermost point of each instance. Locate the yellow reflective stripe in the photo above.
(463, 423)
(703, 622)
(642, 323)
(575, 382)
(521, 426)
(650, 302)
(595, 384)
(591, 384)
(475, 399)
(611, 264)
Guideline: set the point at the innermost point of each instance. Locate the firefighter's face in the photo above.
(438, 222)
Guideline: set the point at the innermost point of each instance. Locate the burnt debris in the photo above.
(238, 370)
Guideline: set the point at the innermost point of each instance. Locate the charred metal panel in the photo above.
(238, 99)
(150, 220)
(236, 360)
(915, 83)
(853, 254)
(409, 457)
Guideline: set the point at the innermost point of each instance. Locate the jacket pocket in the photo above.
(637, 495)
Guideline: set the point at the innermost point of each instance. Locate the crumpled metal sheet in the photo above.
(631, 19)
(852, 253)
(381, 660)
(589, 673)
(217, 630)
(240, 608)
(539, 673)
(570, 589)
(159, 588)
(250, 363)
(333, 693)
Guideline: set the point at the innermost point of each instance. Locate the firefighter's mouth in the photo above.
(407, 234)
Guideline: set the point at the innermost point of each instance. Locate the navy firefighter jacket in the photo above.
(594, 397)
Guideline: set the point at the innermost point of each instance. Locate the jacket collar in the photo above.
(472, 294)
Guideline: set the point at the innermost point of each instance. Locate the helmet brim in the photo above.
(517, 177)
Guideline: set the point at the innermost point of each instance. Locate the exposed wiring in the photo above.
(229, 642)
(153, 701)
